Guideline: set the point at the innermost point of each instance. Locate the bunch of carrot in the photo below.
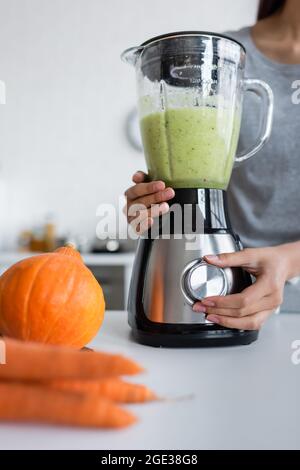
(55, 384)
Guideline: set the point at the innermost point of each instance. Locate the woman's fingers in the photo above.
(144, 189)
(266, 303)
(145, 202)
(248, 309)
(252, 322)
(249, 296)
(262, 295)
(144, 219)
(237, 258)
(154, 211)
(158, 197)
(139, 177)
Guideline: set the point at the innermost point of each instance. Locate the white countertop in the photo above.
(244, 397)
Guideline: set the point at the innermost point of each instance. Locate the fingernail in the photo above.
(208, 303)
(212, 258)
(169, 192)
(164, 208)
(136, 174)
(199, 308)
(213, 318)
(158, 186)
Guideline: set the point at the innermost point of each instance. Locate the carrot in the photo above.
(35, 361)
(113, 389)
(36, 403)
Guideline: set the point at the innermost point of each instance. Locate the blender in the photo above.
(190, 93)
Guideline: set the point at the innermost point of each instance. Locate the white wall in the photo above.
(62, 144)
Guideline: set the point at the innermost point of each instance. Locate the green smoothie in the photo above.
(191, 147)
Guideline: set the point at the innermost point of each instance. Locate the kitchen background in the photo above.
(63, 145)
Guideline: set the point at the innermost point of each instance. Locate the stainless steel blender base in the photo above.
(176, 277)
(160, 312)
(169, 276)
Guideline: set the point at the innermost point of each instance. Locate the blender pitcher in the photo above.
(190, 94)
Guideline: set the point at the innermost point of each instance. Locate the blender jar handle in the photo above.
(264, 92)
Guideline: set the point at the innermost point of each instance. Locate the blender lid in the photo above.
(131, 55)
(184, 49)
(189, 33)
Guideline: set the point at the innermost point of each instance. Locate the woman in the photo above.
(264, 193)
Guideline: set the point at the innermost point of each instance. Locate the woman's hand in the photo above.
(146, 201)
(250, 309)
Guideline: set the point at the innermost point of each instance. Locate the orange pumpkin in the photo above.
(51, 298)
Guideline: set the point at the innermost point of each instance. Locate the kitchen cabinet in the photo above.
(111, 279)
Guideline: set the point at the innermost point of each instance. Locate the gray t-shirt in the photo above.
(264, 191)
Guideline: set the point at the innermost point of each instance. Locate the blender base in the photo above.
(169, 276)
(199, 339)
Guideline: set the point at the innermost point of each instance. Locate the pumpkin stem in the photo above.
(70, 245)
(68, 250)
